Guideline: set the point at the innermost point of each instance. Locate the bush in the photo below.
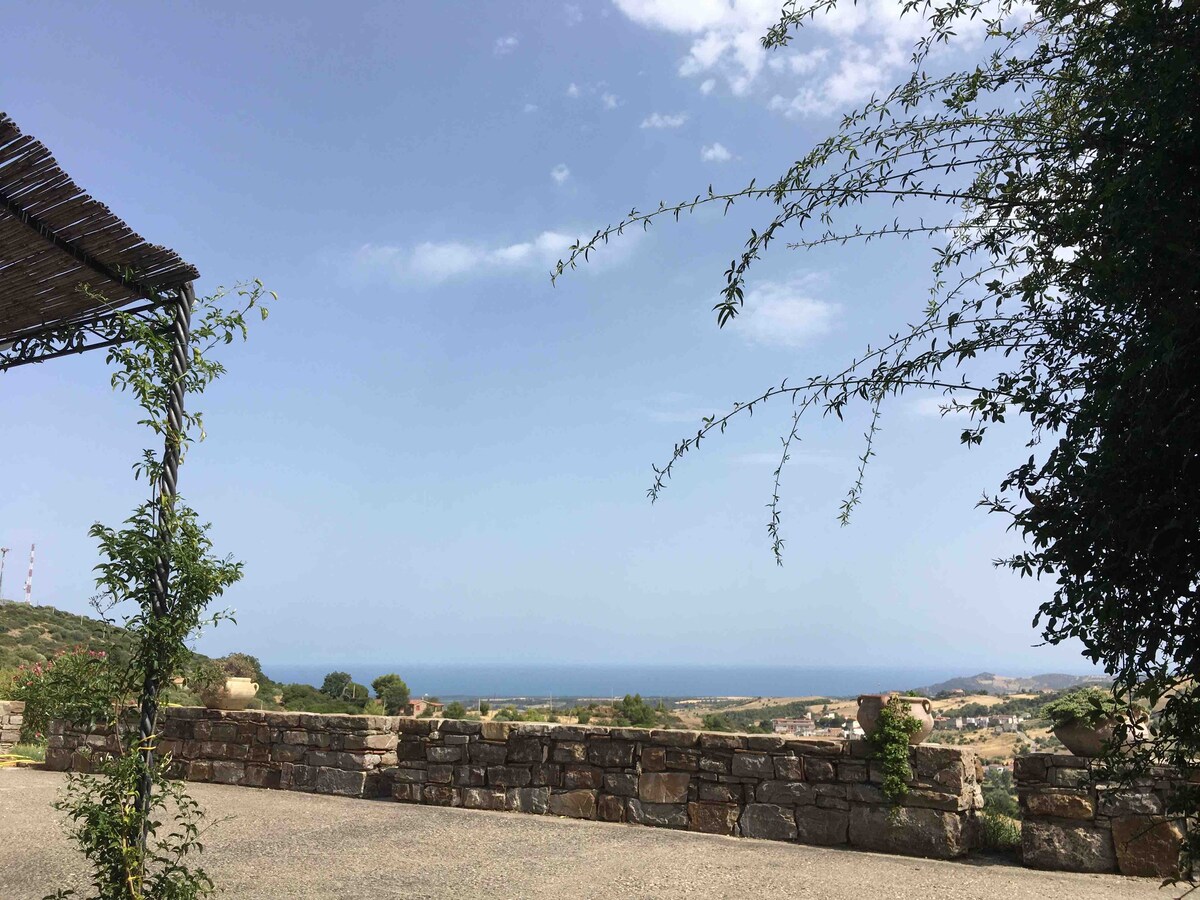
(335, 683)
(484, 707)
(1088, 706)
(999, 832)
(999, 797)
(77, 685)
(454, 710)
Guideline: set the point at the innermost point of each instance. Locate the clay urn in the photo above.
(236, 694)
(870, 705)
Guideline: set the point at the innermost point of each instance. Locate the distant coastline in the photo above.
(451, 681)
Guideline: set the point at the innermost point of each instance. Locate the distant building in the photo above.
(853, 730)
(419, 707)
(800, 725)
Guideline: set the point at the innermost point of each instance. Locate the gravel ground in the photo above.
(278, 844)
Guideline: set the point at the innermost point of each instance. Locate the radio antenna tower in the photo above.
(29, 577)
(3, 553)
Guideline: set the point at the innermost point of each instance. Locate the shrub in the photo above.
(484, 707)
(454, 710)
(1088, 706)
(77, 685)
(999, 832)
(890, 742)
(393, 692)
(335, 683)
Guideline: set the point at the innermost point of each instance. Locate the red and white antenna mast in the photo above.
(29, 577)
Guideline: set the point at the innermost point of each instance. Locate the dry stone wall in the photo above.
(12, 714)
(1074, 823)
(762, 786)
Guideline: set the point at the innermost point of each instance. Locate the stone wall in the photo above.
(11, 716)
(764, 786)
(1073, 823)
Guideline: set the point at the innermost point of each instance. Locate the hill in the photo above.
(31, 634)
(986, 682)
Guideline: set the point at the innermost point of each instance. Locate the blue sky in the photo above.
(428, 453)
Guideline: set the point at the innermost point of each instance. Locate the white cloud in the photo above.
(560, 173)
(715, 153)
(664, 120)
(572, 90)
(783, 314)
(610, 101)
(838, 59)
(531, 107)
(438, 261)
(933, 406)
(505, 45)
(572, 13)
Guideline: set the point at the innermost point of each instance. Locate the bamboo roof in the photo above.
(55, 238)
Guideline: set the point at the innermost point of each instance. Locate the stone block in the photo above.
(411, 750)
(1147, 846)
(495, 731)
(610, 808)
(654, 759)
(488, 754)
(444, 754)
(369, 742)
(768, 821)
(623, 784)
(407, 793)
(569, 752)
(769, 743)
(682, 760)
(509, 776)
(610, 754)
(719, 793)
(535, 800)
(747, 764)
(712, 818)
(340, 782)
(408, 776)
(546, 774)
(440, 795)
(851, 771)
(1067, 848)
(460, 726)
(927, 799)
(262, 776)
(458, 739)
(573, 804)
(1128, 803)
(525, 749)
(659, 815)
(439, 774)
(819, 747)
(663, 787)
(819, 769)
(913, 832)
(483, 798)
(716, 763)
(786, 793)
(671, 738)
(1060, 804)
(714, 741)
(825, 827)
(201, 770)
(470, 776)
(789, 768)
(587, 777)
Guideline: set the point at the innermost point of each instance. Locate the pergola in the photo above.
(71, 275)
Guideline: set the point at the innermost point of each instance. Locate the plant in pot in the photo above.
(870, 706)
(223, 683)
(1086, 720)
(894, 727)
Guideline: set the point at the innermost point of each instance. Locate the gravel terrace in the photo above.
(280, 844)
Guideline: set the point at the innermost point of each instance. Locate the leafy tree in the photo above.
(484, 707)
(393, 693)
(335, 683)
(716, 722)
(1057, 183)
(999, 795)
(454, 710)
(381, 683)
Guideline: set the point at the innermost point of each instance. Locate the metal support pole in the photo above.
(166, 490)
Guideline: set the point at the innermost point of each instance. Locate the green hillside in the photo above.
(30, 634)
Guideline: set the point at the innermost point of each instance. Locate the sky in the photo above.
(429, 453)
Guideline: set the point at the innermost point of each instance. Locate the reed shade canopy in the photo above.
(54, 240)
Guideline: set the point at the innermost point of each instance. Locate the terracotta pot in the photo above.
(870, 705)
(1083, 739)
(237, 694)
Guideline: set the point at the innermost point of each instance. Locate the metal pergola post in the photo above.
(167, 490)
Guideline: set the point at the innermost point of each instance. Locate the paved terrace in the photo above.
(281, 844)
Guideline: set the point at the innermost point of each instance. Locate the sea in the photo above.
(535, 681)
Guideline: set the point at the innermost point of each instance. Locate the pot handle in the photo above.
(254, 684)
(928, 706)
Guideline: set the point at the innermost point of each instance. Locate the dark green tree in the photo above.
(379, 685)
(454, 710)
(1056, 183)
(335, 683)
(393, 693)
